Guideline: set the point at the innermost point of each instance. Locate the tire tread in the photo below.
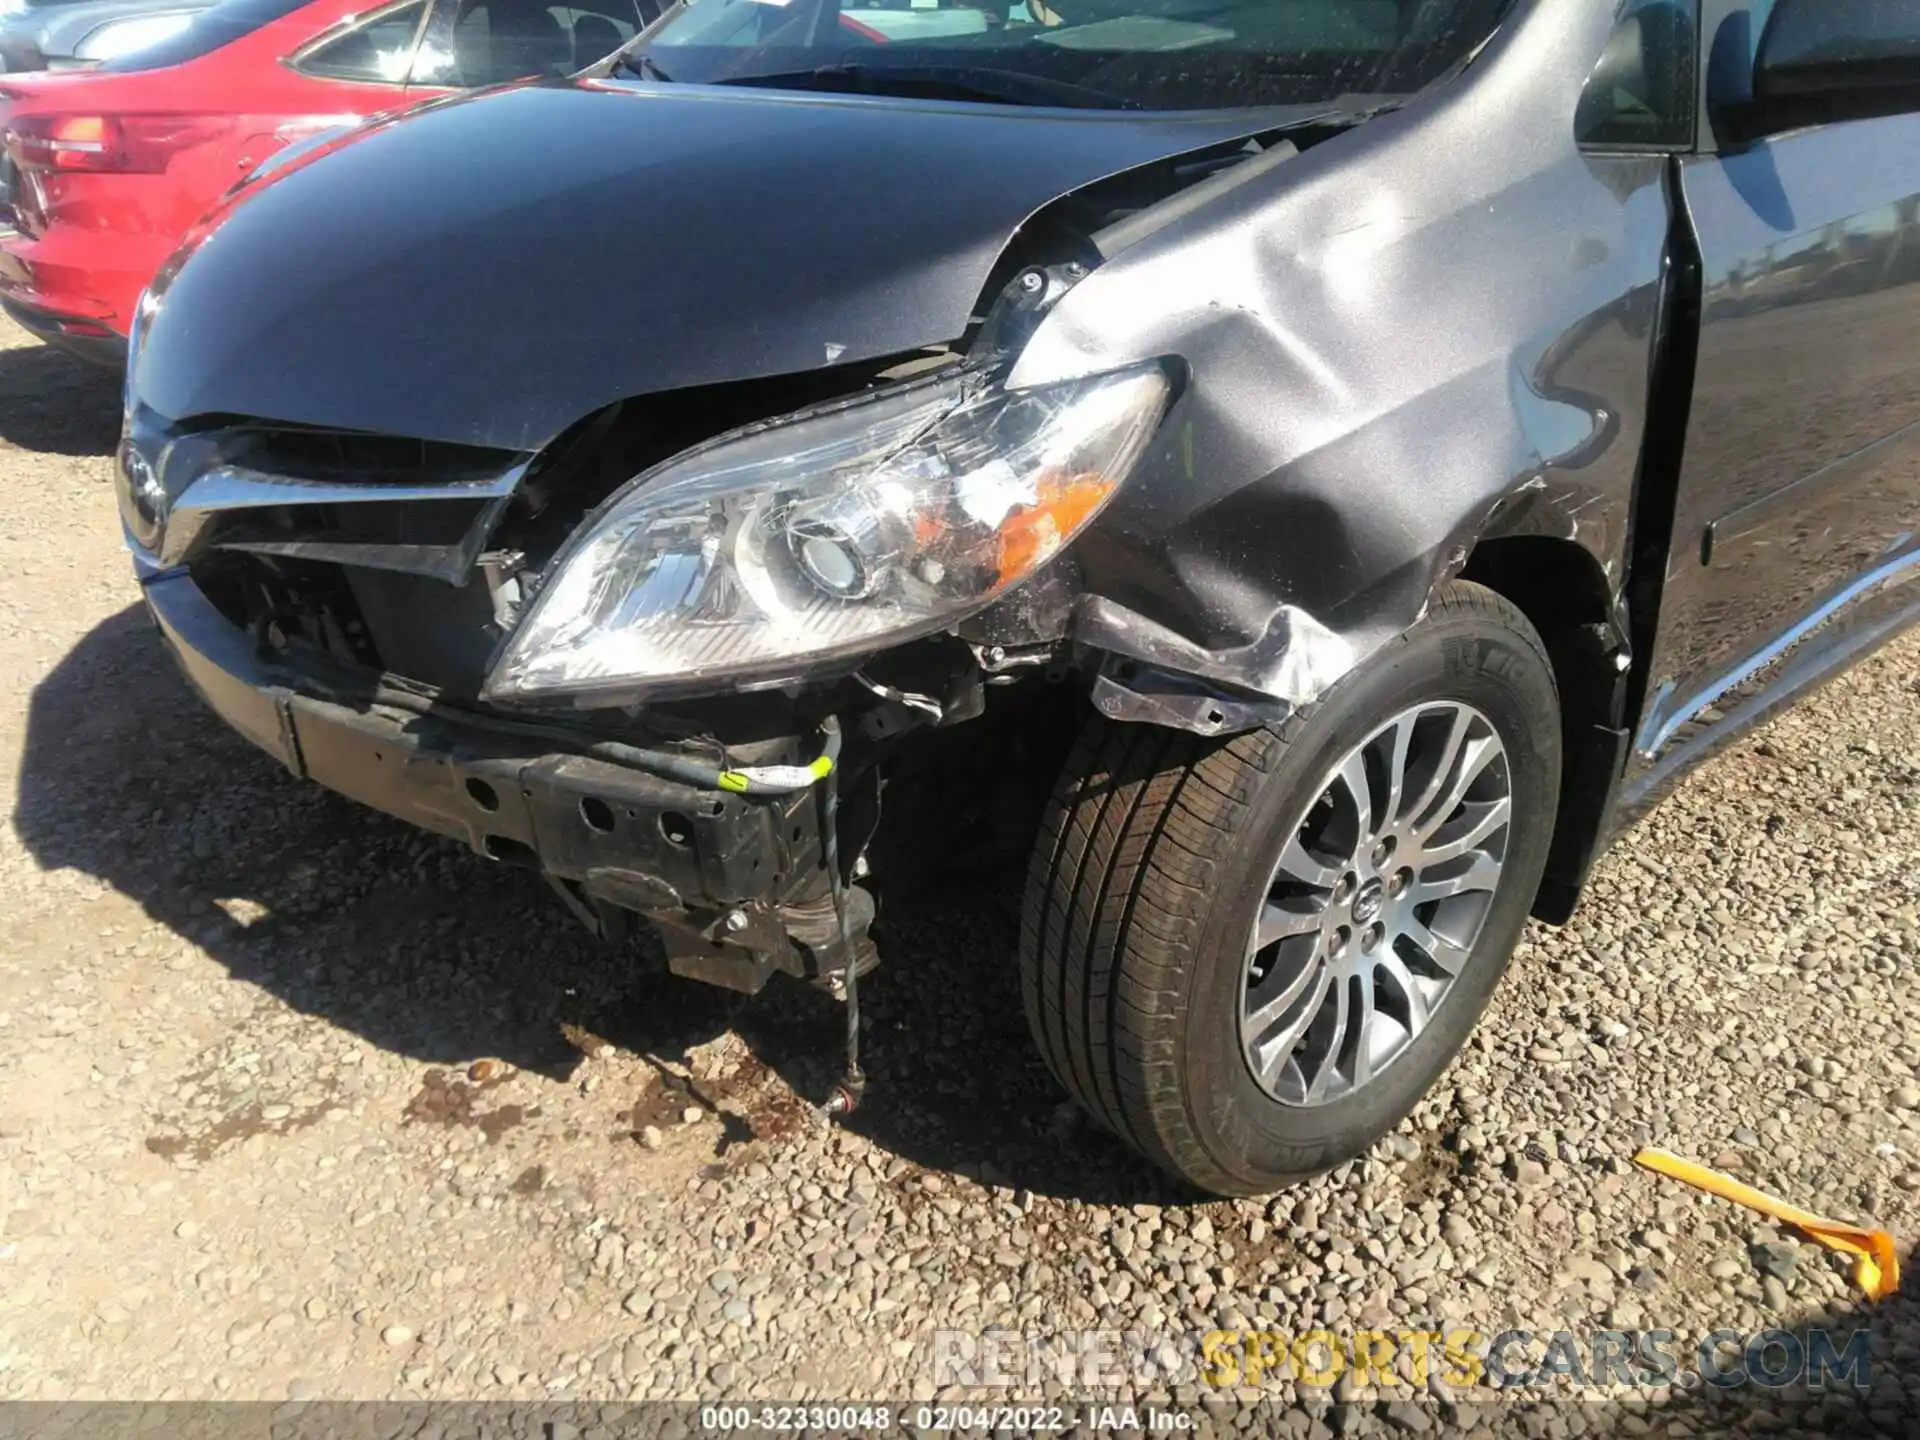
(1117, 897)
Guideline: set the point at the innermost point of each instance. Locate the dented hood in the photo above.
(488, 271)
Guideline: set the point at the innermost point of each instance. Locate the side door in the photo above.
(1799, 495)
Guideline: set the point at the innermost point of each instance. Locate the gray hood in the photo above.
(487, 270)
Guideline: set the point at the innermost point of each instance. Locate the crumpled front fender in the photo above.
(1429, 330)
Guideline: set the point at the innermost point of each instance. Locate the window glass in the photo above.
(1101, 54)
(1643, 94)
(380, 51)
(495, 41)
(598, 31)
(218, 25)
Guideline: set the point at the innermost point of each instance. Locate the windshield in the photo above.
(1124, 54)
(219, 25)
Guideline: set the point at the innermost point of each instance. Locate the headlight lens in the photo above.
(827, 537)
(143, 499)
(142, 495)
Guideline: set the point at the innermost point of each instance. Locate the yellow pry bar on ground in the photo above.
(1876, 1268)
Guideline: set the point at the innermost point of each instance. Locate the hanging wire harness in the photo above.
(823, 775)
(761, 781)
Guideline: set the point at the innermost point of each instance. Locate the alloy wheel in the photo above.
(1376, 902)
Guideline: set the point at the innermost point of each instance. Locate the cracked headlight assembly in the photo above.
(827, 537)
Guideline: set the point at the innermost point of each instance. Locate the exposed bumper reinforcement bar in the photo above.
(714, 869)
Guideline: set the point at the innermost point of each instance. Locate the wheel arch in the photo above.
(1564, 592)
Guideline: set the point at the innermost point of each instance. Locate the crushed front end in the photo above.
(662, 659)
(735, 883)
(662, 594)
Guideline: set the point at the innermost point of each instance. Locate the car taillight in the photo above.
(123, 144)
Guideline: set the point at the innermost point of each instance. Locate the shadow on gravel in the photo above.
(53, 403)
(1847, 1370)
(1871, 1384)
(432, 952)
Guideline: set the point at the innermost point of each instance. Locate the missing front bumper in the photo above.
(732, 884)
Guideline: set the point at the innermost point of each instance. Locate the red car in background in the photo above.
(105, 170)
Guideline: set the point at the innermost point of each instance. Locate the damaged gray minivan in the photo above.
(1400, 436)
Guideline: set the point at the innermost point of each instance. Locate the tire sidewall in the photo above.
(1452, 656)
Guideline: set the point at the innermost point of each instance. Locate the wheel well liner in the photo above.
(1563, 591)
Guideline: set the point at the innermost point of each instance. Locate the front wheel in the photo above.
(1249, 958)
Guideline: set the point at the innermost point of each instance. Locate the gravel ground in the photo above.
(301, 1104)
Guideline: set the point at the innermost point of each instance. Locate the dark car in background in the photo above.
(1399, 438)
(67, 34)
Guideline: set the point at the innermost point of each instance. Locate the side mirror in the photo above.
(1826, 61)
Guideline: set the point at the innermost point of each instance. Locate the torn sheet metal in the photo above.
(1295, 659)
(1139, 695)
(1344, 441)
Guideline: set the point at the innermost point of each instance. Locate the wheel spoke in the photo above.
(1482, 874)
(1481, 823)
(1273, 1050)
(1397, 770)
(1444, 766)
(1353, 775)
(1330, 1059)
(1414, 1000)
(1269, 1003)
(1443, 955)
(1297, 864)
(1475, 756)
(1361, 1028)
(1279, 923)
